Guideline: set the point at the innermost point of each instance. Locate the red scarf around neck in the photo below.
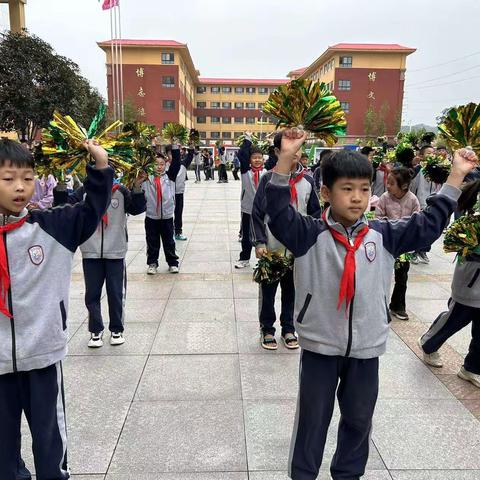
(105, 217)
(158, 189)
(256, 171)
(347, 284)
(383, 168)
(4, 273)
(293, 186)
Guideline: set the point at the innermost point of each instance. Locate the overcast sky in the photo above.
(267, 38)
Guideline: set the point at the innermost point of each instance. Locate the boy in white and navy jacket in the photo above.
(104, 258)
(305, 200)
(160, 195)
(36, 256)
(252, 170)
(343, 271)
(186, 160)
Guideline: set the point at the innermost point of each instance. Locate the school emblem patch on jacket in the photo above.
(371, 251)
(115, 203)
(36, 254)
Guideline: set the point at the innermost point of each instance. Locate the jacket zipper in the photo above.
(10, 305)
(101, 244)
(350, 313)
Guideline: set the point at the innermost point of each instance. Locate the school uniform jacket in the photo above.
(423, 188)
(166, 207)
(308, 204)
(182, 174)
(319, 261)
(40, 256)
(110, 239)
(466, 282)
(248, 186)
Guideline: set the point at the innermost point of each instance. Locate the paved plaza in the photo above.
(192, 396)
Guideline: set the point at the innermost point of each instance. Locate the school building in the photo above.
(161, 79)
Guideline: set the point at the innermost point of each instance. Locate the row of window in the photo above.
(238, 90)
(228, 105)
(238, 120)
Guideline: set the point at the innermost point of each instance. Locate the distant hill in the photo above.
(428, 128)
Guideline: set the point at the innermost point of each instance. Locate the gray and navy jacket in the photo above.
(182, 174)
(466, 282)
(248, 186)
(319, 261)
(167, 207)
(308, 204)
(110, 241)
(423, 188)
(40, 257)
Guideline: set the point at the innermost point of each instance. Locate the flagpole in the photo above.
(117, 69)
(122, 104)
(112, 67)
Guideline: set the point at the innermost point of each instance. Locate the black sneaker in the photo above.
(400, 314)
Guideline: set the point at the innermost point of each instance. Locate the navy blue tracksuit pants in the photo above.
(39, 394)
(98, 271)
(448, 324)
(164, 230)
(266, 305)
(246, 252)
(355, 382)
(179, 201)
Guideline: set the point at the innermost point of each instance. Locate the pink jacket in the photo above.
(392, 208)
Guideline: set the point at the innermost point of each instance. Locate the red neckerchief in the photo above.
(4, 274)
(293, 186)
(105, 217)
(347, 284)
(158, 188)
(383, 168)
(256, 171)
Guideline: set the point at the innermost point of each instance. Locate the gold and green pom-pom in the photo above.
(461, 127)
(175, 133)
(436, 168)
(272, 267)
(309, 105)
(463, 236)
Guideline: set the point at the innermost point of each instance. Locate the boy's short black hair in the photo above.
(345, 164)
(325, 153)
(423, 148)
(304, 155)
(16, 154)
(255, 151)
(277, 140)
(366, 150)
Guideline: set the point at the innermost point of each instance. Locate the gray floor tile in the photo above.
(426, 310)
(203, 377)
(182, 476)
(139, 311)
(199, 310)
(156, 288)
(206, 267)
(182, 437)
(245, 289)
(202, 289)
(435, 475)
(369, 475)
(195, 338)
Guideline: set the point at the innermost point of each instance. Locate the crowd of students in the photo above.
(334, 302)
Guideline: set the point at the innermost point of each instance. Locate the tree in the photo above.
(35, 81)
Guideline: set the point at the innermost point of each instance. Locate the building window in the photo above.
(345, 106)
(168, 58)
(237, 135)
(201, 119)
(215, 135)
(168, 82)
(226, 119)
(201, 89)
(344, 85)
(169, 105)
(226, 89)
(201, 104)
(239, 105)
(239, 120)
(345, 62)
(226, 135)
(227, 105)
(215, 119)
(263, 91)
(250, 105)
(239, 90)
(251, 121)
(215, 89)
(251, 90)
(203, 135)
(214, 104)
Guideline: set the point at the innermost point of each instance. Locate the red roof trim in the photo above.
(243, 81)
(371, 46)
(145, 43)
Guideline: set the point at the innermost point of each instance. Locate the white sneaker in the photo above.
(96, 341)
(173, 269)
(117, 338)
(152, 269)
(469, 377)
(242, 264)
(423, 258)
(433, 359)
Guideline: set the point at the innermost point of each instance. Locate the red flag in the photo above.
(107, 4)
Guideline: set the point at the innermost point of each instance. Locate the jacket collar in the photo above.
(349, 231)
(6, 219)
